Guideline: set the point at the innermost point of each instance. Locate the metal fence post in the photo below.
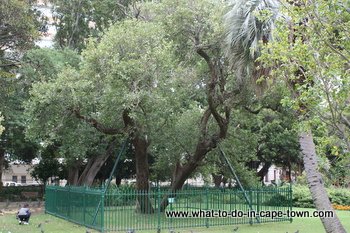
(290, 191)
(84, 204)
(207, 206)
(55, 202)
(158, 196)
(257, 200)
(251, 209)
(46, 203)
(69, 203)
(102, 211)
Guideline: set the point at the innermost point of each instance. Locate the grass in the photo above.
(51, 224)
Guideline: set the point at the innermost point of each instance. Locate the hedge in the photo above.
(302, 196)
(21, 193)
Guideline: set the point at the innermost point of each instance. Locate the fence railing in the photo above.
(127, 210)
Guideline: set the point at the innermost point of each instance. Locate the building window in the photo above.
(23, 179)
(267, 177)
(14, 179)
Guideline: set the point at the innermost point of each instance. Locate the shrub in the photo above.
(302, 196)
(277, 200)
(339, 196)
(21, 193)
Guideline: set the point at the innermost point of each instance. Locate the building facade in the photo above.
(20, 174)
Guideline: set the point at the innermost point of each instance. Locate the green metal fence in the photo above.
(128, 209)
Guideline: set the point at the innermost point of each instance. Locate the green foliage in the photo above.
(129, 72)
(17, 193)
(18, 25)
(302, 196)
(278, 200)
(188, 21)
(340, 196)
(45, 64)
(46, 169)
(18, 31)
(12, 140)
(264, 136)
(40, 67)
(313, 59)
(77, 20)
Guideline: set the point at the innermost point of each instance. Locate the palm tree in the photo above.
(245, 29)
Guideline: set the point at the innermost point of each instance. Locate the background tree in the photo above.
(71, 139)
(49, 166)
(18, 30)
(298, 41)
(77, 20)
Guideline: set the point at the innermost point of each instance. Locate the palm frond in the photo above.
(248, 23)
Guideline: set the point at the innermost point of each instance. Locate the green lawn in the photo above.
(51, 224)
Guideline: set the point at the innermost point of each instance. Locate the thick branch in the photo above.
(211, 89)
(97, 125)
(345, 121)
(10, 64)
(204, 122)
(253, 111)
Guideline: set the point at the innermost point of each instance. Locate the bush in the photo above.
(277, 200)
(21, 193)
(302, 196)
(340, 196)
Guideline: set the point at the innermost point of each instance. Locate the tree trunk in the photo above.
(118, 181)
(182, 172)
(2, 160)
(140, 144)
(264, 170)
(91, 169)
(94, 165)
(217, 178)
(73, 173)
(315, 183)
(290, 172)
(142, 174)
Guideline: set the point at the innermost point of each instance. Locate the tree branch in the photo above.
(204, 122)
(97, 125)
(345, 121)
(211, 89)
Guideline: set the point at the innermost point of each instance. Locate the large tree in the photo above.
(18, 30)
(250, 24)
(196, 30)
(121, 89)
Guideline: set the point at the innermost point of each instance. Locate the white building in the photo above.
(273, 175)
(19, 173)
